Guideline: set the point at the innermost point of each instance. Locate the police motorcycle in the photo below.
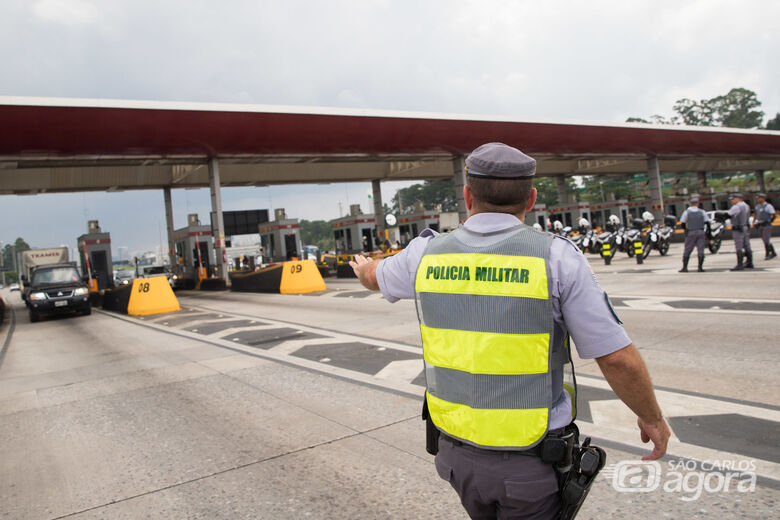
(607, 242)
(557, 227)
(632, 236)
(588, 237)
(713, 233)
(657, 237)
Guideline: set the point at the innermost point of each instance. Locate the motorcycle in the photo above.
(714, 235)
(632, 236)
(586, 237)
(658, 237)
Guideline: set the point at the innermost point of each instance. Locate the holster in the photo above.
(587, 462)
(431, 431)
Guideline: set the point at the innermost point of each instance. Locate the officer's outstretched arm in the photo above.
(365, 270)
(626, 373)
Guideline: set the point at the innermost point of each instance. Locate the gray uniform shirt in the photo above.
(695, 217)
(764, 212)
(580, 307)
(739, 213)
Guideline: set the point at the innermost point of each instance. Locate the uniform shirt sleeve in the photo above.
(735, 210)
(395, 274)
(581, 305)
(684, 217)
(705, 216)
(771, 210)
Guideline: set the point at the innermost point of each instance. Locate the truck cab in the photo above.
(54, 289)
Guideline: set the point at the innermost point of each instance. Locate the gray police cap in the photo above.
(761, 195)
(736, 195)
(499, 161)
(694, 200)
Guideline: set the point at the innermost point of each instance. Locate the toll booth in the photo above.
(95, 246)
(676, 205)
(538, 215)
(448, 221)
(637, 207)
(355, 232)
(412, 224)
(600, 212)
(194, 250)
(570, 214)
(281, 238)
(244, 258)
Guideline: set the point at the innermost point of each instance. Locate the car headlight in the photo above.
(81, 291)
(175, 277)
(37, 296)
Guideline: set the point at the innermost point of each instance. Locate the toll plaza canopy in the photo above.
(61, 145)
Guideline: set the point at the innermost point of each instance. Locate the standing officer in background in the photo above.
(765, 214)
(693, 221)
(497, 303)
(739, 213)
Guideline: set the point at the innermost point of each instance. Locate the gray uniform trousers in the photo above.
(695, 238)
(766, 233)
(499, 484)
(742, 240)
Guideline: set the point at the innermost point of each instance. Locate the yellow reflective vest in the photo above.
(493, 357)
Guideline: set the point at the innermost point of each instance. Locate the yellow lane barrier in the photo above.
(301, 276)
(152, 296)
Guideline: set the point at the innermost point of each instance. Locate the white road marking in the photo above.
(401, 370)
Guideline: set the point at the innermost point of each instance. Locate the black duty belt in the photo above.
(536, 451)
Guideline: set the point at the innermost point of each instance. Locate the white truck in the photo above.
(32, 258)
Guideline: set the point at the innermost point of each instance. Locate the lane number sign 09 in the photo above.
(296, 268)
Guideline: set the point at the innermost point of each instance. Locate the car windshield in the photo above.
(125, 274)
(154, 270)
(56, 275)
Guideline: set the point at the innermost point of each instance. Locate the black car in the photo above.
(57, 289)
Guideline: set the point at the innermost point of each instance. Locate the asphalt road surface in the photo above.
(274, 406)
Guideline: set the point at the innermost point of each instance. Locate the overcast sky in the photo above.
(600, 60)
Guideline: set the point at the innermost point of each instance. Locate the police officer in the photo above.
(497, 304)
(739, 213)
(765, 214)
(693, 221)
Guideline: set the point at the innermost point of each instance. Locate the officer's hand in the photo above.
(659, 433)
(365, 270)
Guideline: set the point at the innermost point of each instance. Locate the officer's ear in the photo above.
(468, 197)
(531, 200)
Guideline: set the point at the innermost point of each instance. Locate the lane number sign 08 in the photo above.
(143, 287)
(296, 268)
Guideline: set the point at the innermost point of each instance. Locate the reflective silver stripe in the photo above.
(479, 313)
(489, 391)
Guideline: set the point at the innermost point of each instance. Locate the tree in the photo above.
(737, 109)
(318, 233)
(9, 250)
(773, 124)
(430, 193)
(695, 113)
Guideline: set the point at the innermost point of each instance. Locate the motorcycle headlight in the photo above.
(81, 291)
(37, 296)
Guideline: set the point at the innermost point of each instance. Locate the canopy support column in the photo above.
(379, 213)
(459, 176)
(169, 226)
(654, 183)
(217, 223)
(701, 178)
(760, 181)
(563, 192)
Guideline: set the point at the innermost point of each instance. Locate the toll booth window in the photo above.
(567, 218)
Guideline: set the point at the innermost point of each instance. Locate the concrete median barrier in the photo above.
(296, 277)
(116, 300)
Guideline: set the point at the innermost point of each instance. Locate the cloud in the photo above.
(67, 12)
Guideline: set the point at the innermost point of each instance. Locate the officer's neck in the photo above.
(475, 211)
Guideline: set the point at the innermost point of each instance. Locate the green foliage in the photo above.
(318, 233)
(737, 109)
(597, 189)
(11, 277)
(430, 193)
(8, 251)
(774, 123)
